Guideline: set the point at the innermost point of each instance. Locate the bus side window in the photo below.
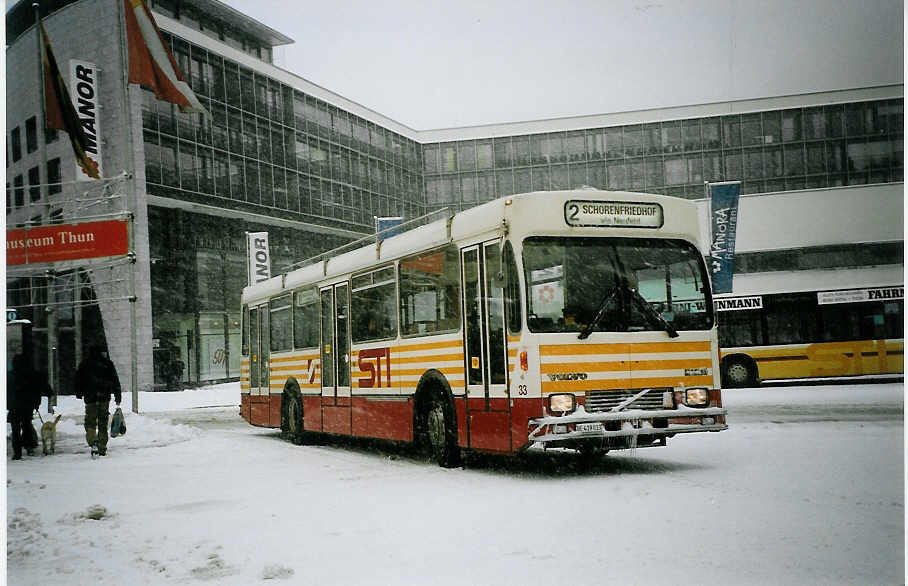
(305, 318)
(430, 293)
(245, 333)
(374, 305)
(281, 324)
(512, 289)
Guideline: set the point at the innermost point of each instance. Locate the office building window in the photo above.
(31, 135)
(34, 184)
(18, 192)
(54, 177)
(15, 140)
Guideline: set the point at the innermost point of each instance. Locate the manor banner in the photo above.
(724, 225)
(61, 242)
(84, 87)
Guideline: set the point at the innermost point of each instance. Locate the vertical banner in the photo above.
(84, 88)
(723, 213)
(259, 267)
(384, 227)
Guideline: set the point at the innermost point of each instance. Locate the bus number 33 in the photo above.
(370, 362)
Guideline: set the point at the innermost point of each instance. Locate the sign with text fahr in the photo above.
(259, 268)
(84, 87)
(61, 242)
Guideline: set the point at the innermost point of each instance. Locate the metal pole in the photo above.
(45, 197)
(132, 206)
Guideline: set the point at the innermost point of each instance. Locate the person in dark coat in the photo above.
(96, 381)
(23, 396)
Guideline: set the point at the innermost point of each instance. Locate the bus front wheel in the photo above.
(439, 431)
(738, 372)
(292, 414)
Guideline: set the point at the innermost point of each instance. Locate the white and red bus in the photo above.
(574, 319)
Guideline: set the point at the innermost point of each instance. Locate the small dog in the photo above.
(49, 434)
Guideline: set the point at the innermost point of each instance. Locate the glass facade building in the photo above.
(774, 150)
(270, 149)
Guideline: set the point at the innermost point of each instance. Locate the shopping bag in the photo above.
(117, 423)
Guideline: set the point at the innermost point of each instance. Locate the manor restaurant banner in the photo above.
(84, 87)
(724, 225)
(61, 242)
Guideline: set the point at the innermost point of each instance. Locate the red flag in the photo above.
(151, 64)
(59, 111)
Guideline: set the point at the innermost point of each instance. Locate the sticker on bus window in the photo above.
(474, 362)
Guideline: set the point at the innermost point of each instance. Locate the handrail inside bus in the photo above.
(442, 214)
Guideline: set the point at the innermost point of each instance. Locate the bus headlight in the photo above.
(696, 397)
(562, 403)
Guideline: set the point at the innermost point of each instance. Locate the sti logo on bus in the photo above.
(613, 214)
(373, 369)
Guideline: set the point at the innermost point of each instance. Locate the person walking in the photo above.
(23, 396)
(96, 380)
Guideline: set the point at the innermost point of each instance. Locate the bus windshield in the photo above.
(589, 285)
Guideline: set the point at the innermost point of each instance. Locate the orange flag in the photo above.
(151, 64)
(59, 111)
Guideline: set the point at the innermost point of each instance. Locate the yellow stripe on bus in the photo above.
(428, 346)
(426, 359)
(613, 365)
(624, 383)
(623, 348)
(420, 371)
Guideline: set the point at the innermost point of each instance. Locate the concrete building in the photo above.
(822, 176)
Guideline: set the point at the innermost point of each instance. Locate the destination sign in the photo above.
(618, 214)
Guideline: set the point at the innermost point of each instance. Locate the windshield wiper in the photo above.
(651, 313)
(588, 328)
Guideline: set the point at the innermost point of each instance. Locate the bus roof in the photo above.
(528, 213)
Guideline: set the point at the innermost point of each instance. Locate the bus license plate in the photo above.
(589, 427)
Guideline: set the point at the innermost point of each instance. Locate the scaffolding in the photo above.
(61, 287)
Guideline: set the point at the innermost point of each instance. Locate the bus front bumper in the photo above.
(581, 427)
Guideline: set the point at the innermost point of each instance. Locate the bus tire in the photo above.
(292, 413)
(436, 423)
(738, 371)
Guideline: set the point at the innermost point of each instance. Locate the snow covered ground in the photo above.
(806, 487)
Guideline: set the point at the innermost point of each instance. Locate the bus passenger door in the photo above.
(485, 350)
(335, 358)
(259, 371)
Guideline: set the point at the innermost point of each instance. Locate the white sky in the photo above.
(430, 64)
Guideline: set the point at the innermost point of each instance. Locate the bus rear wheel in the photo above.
(738, 372)
(292, 414)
